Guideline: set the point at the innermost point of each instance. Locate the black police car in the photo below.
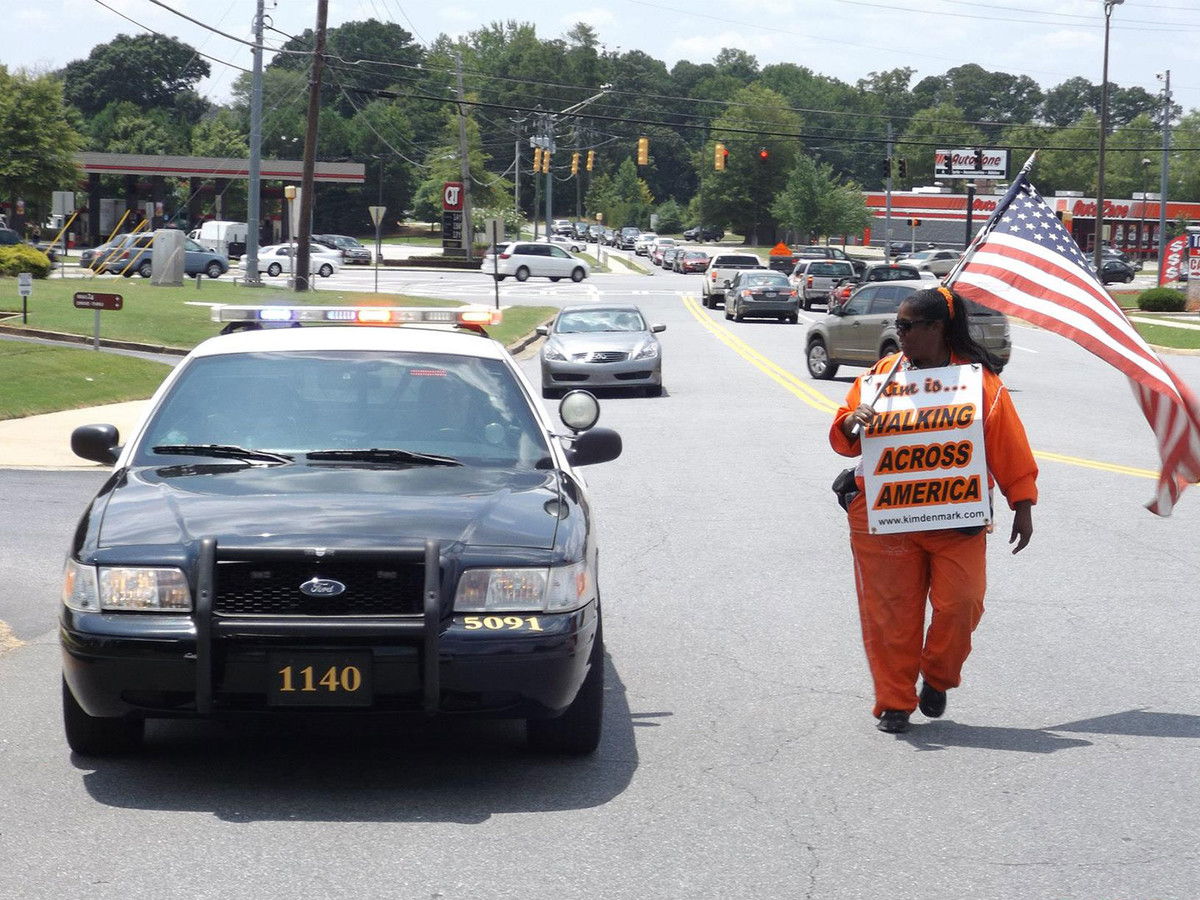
(339, 519)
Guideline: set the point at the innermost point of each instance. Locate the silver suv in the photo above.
(863, 329)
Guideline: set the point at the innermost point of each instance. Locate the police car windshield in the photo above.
(348, 407)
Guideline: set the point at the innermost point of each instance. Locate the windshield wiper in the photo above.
(223, 451)
(384, 455)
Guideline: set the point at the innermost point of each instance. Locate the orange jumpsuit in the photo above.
(894, 574)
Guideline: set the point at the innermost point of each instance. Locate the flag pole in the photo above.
(856, 428)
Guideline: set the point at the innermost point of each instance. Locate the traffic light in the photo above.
(545, 162)
(643, 156)
(886, 170)
(537, 159)
(902, 167)
(763, 154)
(914, 222)
(719, 154)
(575, 163)
(591, 160)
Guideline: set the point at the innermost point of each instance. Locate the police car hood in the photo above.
(334, 505)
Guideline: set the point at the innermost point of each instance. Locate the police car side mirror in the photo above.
(594, 446)
(97, 443)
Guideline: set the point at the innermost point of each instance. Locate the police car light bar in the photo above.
(357, 315)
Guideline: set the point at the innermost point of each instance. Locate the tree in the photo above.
(150, 70)
(442, 165)
(757, 119)
(38, 137)
(670, 217)
(622, 197)
(815, 203)
(991, 96)
(939, 127)
(1067, 103)
(123, 127)
(220, 137)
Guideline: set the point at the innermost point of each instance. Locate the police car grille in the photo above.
(273, 588)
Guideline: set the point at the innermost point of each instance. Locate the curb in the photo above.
(66, 338)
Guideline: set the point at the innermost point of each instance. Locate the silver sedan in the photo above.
(601, 347)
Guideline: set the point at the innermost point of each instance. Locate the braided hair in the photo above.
(940, 304)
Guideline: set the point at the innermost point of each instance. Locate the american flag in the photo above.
(1026, 264)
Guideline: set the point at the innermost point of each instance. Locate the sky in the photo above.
(1048, 40)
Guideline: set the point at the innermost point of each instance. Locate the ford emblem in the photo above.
(322, 587)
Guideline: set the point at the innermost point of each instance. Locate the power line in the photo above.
(160, 34)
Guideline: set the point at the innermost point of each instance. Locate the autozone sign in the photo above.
(971, 163)
(452, 195)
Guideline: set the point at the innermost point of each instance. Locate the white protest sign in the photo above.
(924, 465)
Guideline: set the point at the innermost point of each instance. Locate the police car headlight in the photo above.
(120, 588)
(551, 590)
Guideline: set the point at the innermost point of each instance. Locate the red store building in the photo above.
(1132, 225)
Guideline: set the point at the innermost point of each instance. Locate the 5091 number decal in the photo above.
(502, 623)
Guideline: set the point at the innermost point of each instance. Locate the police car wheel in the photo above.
(95, 736)
(577, 730)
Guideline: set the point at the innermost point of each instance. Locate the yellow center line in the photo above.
(772, 370)
(820, 402)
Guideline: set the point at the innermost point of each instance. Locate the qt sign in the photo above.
(452, 196)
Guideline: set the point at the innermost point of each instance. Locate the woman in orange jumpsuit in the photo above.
(896, 574)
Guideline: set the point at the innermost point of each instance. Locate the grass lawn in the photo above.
(39, 379)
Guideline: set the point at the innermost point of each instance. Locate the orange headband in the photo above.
(949, 295)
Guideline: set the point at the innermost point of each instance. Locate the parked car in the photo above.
(568, 242)
(645, 240)
(133, 254)
(862, 330)
(581, 229)
(701, 233)
(355, 521)
(10, 238)
(563, 226)
(761, 294)
(816, 279)
(720, 272)
(94, 257)
(880, 271)
(1113, 269)
(225, 237)
(939, 262)
(351, 249)
(667, 259)
(276, 260)
(601, 346)
(688, 261)
(534, 259)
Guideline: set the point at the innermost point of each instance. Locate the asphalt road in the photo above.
(739, 757)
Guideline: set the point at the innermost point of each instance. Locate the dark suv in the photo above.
(703, 233)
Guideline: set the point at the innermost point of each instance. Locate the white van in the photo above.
(226, 238)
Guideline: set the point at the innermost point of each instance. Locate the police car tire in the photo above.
(577, 731)
(577, 275)
(522, 274)
(95, 736)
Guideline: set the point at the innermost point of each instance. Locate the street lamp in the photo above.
(1098, 254)
(1142, 242)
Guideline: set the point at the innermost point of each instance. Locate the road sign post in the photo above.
(24, 288)
(495, 233)
(97, 302)
(377, 217)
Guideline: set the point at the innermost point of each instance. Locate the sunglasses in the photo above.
(904, 326)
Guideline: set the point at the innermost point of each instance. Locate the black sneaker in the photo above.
(933, 701)
(893, 721)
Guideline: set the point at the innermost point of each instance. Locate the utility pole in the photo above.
(300, 267)
(1162, 183)
(887, 217)
(549, 172)
(578, 175)
(254, 200)
(517, 174)
(468, 236)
